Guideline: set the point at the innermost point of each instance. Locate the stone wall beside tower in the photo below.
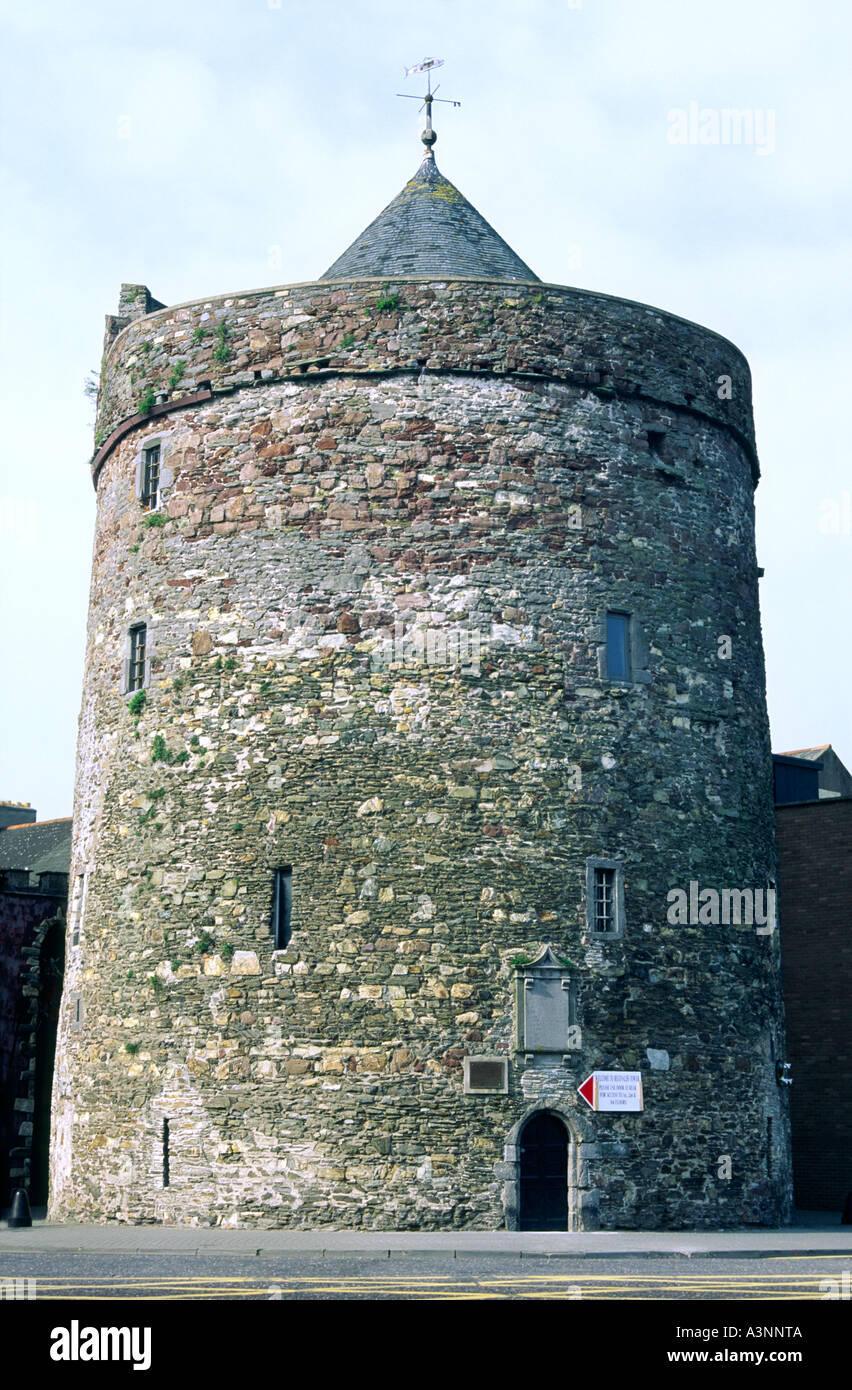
(392, 521)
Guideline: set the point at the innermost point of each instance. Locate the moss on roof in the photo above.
(429, 229)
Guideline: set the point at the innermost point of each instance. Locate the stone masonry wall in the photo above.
(437, 814)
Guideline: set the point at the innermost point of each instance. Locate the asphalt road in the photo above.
(173, 1278)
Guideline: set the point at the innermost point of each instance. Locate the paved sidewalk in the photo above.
(813, 1234)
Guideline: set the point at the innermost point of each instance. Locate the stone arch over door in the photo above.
(582, 1197)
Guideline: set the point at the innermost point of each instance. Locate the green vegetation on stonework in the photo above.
(136, 703)
(156, 984)
(132, 1048)
(222, 351)
(154, 519)
(347, 341)
(227, 951)
(204, 943)
(159, 752)
(238, 825)
(155, 797)
(197, 334)
(518, 961)
(90, 386)
(177, 372)
(386, 300)
(147, 402)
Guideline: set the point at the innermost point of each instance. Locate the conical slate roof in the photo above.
(429, 229)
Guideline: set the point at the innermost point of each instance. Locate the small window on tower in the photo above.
(75, 915)
(136, 661)
(604, 900)
(618, 646)
(282, 905)
(604, 897)
(150, 494)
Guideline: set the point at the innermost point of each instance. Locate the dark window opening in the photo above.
(136, 667)
(165, 1153)
(604, 900)
(618, 646)
(769, 1146)
(282, 906)
(656, 441)
(151, 478)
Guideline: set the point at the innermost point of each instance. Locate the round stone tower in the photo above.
(423, 764)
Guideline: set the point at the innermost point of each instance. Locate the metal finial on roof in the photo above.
(428, 136)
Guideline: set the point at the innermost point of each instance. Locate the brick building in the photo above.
(34, 860)
(815, 884)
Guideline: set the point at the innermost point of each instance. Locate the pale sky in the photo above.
(201, 148)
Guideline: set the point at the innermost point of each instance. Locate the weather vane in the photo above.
(428, 137)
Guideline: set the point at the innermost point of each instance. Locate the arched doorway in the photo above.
(543, 1174)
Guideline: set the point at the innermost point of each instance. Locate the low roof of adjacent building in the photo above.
(42, 847)
(832, 776)
(429, 229)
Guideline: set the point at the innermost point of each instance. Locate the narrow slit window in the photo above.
(77, 901)
(282, 906)
(604, 900)
(604, 897)
(136, 667)
(769, 1146)
(151, 478)
(618, 646)
(166, 1174)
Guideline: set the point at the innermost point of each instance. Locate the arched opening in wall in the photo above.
(51, 970)
(544, 1155)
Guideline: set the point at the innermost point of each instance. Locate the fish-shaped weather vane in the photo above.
(428, 137)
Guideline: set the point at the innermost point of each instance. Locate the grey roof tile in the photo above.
(429, 229)
(41, 846)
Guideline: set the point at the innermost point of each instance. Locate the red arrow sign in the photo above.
(587, 1090)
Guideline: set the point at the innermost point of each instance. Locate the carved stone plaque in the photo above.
(546, 1020)
(547, 1013)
